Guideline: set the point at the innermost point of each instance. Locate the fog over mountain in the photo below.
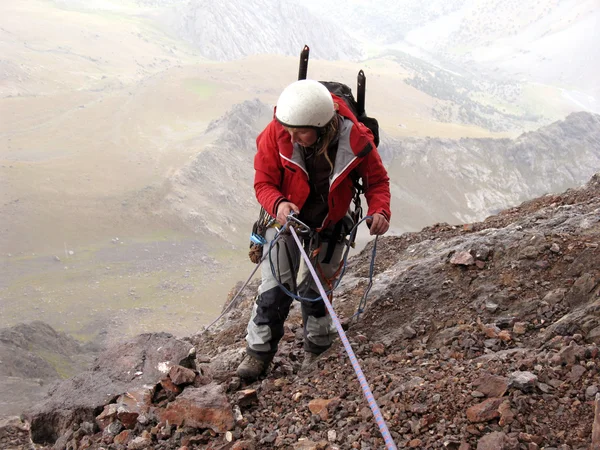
(546, 41)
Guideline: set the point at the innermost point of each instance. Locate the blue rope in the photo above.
(363, 301)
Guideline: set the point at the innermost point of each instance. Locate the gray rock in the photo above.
(142, 360)
(524, 381)
(591, 391)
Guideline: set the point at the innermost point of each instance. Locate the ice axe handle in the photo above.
(361, 85)
(303, 70)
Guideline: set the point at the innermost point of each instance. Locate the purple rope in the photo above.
(385, 433)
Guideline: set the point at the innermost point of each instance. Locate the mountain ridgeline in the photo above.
(213, 192)
(483, 176)
(228, 30)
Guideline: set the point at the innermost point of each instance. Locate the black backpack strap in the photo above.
(332, 239)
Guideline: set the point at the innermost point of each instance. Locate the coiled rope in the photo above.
(363, 301)
(352, 236)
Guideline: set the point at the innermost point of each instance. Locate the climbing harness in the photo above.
(385, 433)
(305, 229)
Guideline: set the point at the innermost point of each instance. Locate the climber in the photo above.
(306, 160)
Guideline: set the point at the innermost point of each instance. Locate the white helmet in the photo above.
(305, 104)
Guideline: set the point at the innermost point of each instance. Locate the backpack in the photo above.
(357, 106)
(345, 93)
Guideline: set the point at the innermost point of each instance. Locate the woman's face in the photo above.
(302, 136)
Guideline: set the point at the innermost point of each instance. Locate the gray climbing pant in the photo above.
(265, 328)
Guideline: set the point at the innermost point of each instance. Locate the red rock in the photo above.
(520, 328)
(247, 397)
(203, 407)
(378, 348)
(415, 443)
(123, 437)
(485, 411)
(181, 375)
(321, 406)
(491, 331)
(507, 416)
(462, 259)
(107, 416)
(306, 444)
(492, 441)
(505, 336)
(133, 403)
(243, 445)
(492, 385)
(170, 387)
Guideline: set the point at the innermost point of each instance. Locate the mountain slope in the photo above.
(482, 176)
(229, 29)
(484, 336)
(213, 193)
(34, 355)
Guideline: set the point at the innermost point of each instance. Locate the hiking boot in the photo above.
(309, 359)
(251, 368)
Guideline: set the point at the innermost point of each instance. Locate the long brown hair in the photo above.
(328, 135)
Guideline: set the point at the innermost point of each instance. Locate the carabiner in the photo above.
(300, 226)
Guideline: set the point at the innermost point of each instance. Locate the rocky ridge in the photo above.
(482, 335)
(478, 176)
(483, 176)
(205, 193)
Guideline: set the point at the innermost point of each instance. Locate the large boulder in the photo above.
(143, 360)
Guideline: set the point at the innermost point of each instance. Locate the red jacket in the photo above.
(280, 173)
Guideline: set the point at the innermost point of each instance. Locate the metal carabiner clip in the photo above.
(300, 226)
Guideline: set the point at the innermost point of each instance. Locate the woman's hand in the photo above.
(378, 224)
(284, 209)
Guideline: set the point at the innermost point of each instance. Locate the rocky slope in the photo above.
(483, 335)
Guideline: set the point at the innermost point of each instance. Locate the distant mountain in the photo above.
(465, 180)
(433, 180)
(230, 29)
(545, 41)
(32, 356)
(384, 21)
(213, 193)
